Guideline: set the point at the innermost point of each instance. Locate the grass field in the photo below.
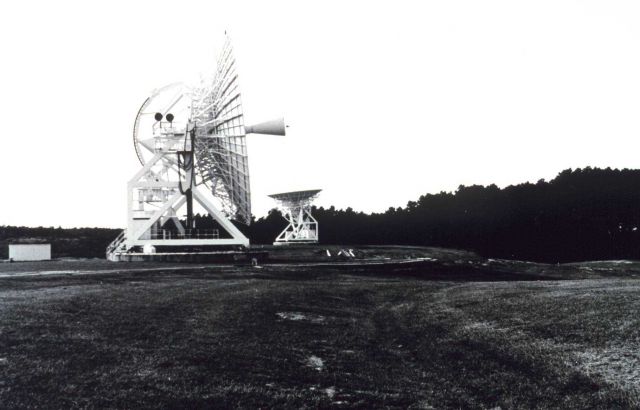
(322, 336)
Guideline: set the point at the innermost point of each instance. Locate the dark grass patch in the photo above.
(220, 340)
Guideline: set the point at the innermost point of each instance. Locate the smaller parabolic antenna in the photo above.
(296, 209)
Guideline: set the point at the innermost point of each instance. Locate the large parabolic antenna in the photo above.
(190, 140)
(296, 209)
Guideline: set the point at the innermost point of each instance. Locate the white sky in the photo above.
(386, 101)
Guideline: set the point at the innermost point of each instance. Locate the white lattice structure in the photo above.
(191, 143)
(296, 209)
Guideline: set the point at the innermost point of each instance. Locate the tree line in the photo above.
(65, 242)
(582, 214)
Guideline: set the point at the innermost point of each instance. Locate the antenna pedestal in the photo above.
(296, 209)
(157, 194)
(302, 228)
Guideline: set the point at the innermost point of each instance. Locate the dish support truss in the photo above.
(208, 150)
(156, 193)
(221, 151)
(303, 227)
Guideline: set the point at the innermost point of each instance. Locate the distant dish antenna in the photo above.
(296, 209)
(202, 145)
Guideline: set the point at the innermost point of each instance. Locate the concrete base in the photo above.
(283, 243)
(196, 257)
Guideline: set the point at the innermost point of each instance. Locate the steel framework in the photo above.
(296, 209)
(188, 138)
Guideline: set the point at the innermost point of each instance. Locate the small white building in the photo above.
(30, 251)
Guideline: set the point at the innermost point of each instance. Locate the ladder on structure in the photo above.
(116, 246)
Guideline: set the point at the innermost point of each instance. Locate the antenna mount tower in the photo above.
(190, 140)
(296, 209)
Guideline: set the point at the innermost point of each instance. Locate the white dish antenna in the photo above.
(296, 209)
(188, 137)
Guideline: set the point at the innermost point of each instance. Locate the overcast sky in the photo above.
(386, 101)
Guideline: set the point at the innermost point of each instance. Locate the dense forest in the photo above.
(582, 214)
(65, 242)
